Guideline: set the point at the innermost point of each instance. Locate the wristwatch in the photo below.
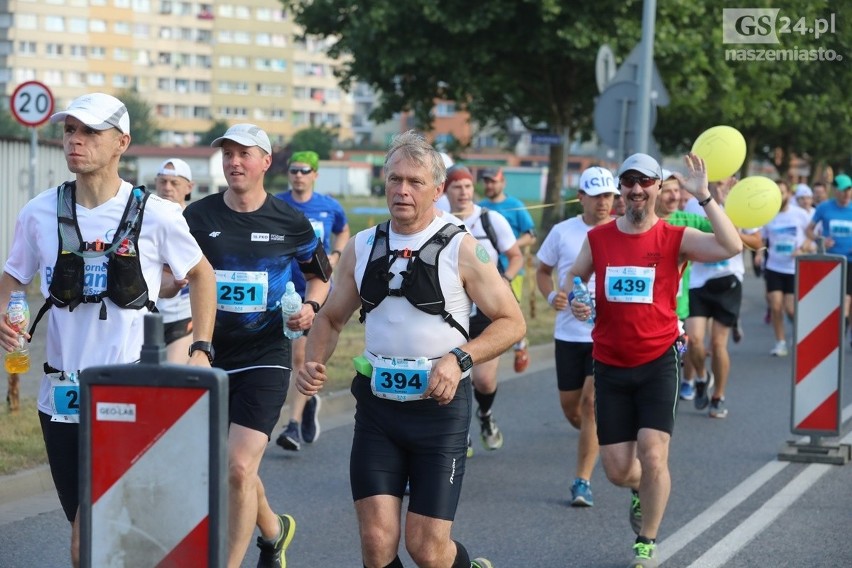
(205, 346)
(464, 359)
(313, 305)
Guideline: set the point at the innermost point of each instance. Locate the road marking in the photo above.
(732, 543)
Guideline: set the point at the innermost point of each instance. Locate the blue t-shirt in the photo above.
(519, 218)
(836, 223)
(327, 217)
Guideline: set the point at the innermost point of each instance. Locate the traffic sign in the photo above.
(605, 67)
(548, 139)
(32, 103)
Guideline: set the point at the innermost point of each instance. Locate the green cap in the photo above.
(306, 157)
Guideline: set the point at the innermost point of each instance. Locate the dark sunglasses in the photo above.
(643, 181)
(303, 171)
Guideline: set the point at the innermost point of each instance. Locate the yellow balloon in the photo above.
(723, 149)
(753, 202)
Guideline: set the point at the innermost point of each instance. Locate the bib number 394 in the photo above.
(400, 379)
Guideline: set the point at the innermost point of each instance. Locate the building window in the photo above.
(97, 26)
(95, 79)
(26, 48)
(54, 23)
(78, 25)
(78, 51)
(120, 81)
(26, 21)
(445, 109)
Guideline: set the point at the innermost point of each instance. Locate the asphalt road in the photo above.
(733, 503)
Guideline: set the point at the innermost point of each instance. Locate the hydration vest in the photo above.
(126, 286)
(420, 282)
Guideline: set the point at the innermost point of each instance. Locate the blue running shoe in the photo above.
(581, 494)
(687, 390)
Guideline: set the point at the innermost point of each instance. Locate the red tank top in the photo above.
(636, 281)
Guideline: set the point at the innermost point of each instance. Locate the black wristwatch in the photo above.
(312, 304)
(464, 359)
(205, 346)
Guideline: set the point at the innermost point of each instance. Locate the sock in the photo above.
(485, 401)
(715, 399)
(645, 540)
(462, 557)
(397, 563)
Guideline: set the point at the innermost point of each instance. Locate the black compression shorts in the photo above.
(255, 397)
(417, 441)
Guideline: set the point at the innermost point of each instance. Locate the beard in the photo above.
(636, 216)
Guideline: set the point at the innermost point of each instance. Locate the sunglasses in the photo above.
(303, 171)
(643, 181)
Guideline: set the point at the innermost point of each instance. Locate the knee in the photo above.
(572, 414)
(422, 551)
(653, 459)
(239, 475)
(587, 406)
(375, 542)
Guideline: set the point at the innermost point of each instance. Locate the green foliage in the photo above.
(143, 129)
(11, 128)
(317, 139)
(218, 129)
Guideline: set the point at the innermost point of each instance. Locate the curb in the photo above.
(338, 409)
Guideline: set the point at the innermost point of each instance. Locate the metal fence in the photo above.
(50, 170)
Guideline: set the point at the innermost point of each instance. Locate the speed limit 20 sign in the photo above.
(32, 103)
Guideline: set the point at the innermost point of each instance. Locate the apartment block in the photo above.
(193, 62)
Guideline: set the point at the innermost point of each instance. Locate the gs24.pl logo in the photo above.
(764, 25)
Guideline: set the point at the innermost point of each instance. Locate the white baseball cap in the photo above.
(642, 163)
(247, 135)
(175, 167)
(597, 180)
(802, 190)
(98, 111)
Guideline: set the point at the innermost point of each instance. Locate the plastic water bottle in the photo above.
(291, 303)
(18, 316)
(582, 295)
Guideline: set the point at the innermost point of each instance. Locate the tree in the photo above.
(143, 129)
(218, 129)
(535, 60)
(11, 128)
(319, 139)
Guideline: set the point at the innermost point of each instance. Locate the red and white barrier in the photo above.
(818, 354)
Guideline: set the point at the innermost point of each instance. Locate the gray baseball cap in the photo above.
(642, 163)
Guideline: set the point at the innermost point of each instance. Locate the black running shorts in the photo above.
(256, 396)
(61, 440)
(175, 330)
(719, 298)
(631, 398)
(418, 441)
(573, 364)
(779, 282)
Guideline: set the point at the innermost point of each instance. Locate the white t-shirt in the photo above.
(559, 250)
(177, 308)
(395, 328)
(502, 230)
(785, 234)
(704, 271)
(79, 339)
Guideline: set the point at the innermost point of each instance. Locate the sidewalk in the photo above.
(338, 409)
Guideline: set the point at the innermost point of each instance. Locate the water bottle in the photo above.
(291, 303)
(18, 316)
(582, 295)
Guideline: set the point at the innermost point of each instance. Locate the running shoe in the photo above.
(702, 391)
(310, 420)
(272, 553)
(687, 390)
(522, 356)
(717, 408)
(635, 512)
(469, 447)
(289, 438)
(780, 349)
(481, 563)
(644, 555)
(581, 494)
(738, 332)
(492, 437)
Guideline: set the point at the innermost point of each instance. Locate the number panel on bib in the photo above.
(633, 284)
(398, 379)
(64, 398)
(241, 291)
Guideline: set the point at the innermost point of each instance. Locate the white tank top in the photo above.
(395, 328)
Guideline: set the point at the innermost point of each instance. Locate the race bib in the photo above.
(839, 228)
(784, 247)
(632, 284)
(241, 291)
(64, 397)
(319, 229)
(400, 379)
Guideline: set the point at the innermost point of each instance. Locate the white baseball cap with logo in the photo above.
(98, 111)
(597, 181)
(246, 135)
(175, 167)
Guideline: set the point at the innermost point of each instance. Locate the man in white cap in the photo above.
(805, 199)
(636, 262)
(105, 326)
(174, 183)
(251, 239)
(573, 338)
